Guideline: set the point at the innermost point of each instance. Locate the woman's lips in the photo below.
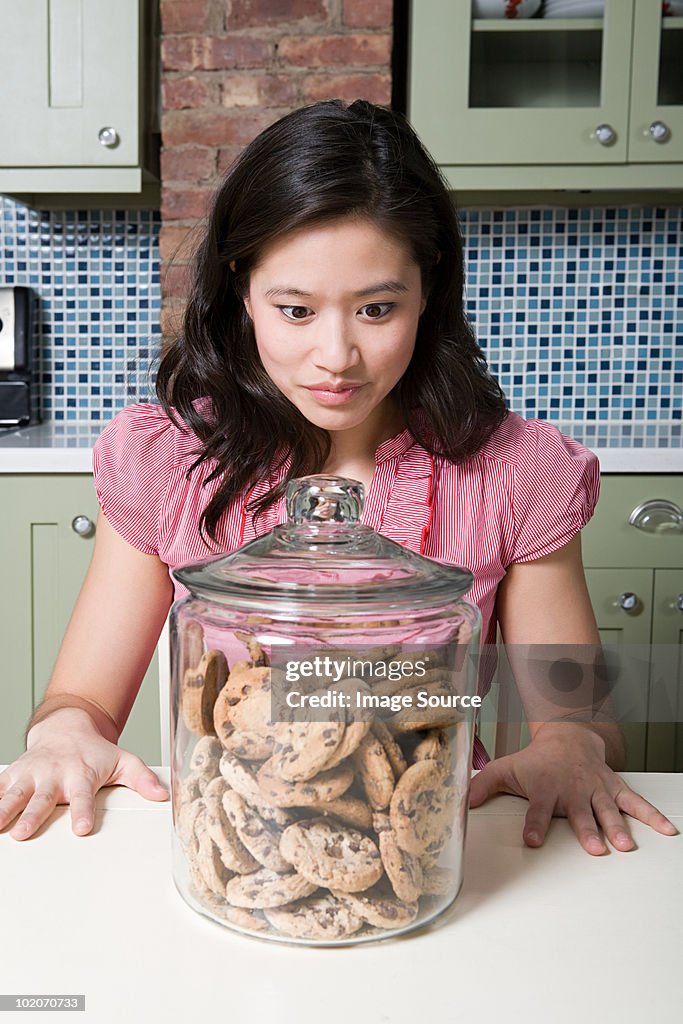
(336, 397)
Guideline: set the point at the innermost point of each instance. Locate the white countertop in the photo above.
(49, 447)
(66, 447)
(545, 936)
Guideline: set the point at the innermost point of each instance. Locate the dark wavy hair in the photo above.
(319, 163)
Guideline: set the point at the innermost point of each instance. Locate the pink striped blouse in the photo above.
(524, 494)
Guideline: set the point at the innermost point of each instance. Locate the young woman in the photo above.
(326, 333)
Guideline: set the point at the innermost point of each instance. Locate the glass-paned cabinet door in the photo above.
(656, 132)
(552, 88)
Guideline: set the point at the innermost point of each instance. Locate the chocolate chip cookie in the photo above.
(199, 690)
(331, 855)
(378, 907)
(302, 749)
(266, 888)
(327, 785)
(403, 869)
(257, 836)
(319, 917)
(240, 776)
(375, 771)
(420, 807)
(234, 854)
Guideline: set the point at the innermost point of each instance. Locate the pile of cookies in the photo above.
(312, 830)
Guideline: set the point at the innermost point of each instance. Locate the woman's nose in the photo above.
(336, 349)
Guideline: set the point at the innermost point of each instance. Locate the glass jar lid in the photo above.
(323, 554)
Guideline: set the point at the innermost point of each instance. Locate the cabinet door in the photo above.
(522, 91)
(609, 539)
(665, 729)
(73, 66)
(656, 123)
(45, 561)
(619, 626)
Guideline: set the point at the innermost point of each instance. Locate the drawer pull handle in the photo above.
(659, 515)
(679, 602)
(83, 526)
(628, 601)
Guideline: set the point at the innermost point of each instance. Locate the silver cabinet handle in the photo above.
(605, 134)
(659, 131)
(679, 602)
(658, 515)
(108, 137)
(628, 601)
(83, 526)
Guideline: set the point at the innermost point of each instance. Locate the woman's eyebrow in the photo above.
(382, 286)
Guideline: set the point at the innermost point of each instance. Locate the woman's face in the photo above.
(335, 310)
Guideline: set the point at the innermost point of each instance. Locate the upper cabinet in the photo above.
(550, 103)
(79, 111)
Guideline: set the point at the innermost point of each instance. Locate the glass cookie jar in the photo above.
(322, 726)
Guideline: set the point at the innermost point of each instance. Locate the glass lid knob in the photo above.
(325, 499)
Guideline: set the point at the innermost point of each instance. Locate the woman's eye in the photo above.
(370, 310)
(374, 311)
(297, 310)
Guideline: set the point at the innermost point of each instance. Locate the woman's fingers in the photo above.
(582, 821)
(638, 807)
(134, 773)
(82, 799)
(495, 777)
(14, 799)
(38, 809)
(538, 818)
(611, 821)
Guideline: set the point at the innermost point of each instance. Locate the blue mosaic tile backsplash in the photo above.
(96, 275)
(579, 311)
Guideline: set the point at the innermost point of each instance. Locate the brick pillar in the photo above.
(232, 67)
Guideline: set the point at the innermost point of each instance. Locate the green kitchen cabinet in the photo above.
(633, 553)
(534, 104)
(44, 560)
(665, 730)
(634, 572)
(82, 112)
(612, 593)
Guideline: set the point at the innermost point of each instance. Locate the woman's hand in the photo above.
(68, 760)
(563, 772)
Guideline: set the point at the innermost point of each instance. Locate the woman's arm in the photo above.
(543, 605)
(548, 625)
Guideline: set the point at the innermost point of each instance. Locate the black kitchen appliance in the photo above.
(18, 404)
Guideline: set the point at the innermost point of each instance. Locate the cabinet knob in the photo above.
(658, 515)
(659, 131)
(679, 602)
(109, 137)
(83, 526)
(605, 134)
(628, 601)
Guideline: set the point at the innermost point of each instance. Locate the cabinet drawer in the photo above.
(609, 540)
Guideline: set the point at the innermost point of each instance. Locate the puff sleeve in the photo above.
(132, 462)
(556, 488)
